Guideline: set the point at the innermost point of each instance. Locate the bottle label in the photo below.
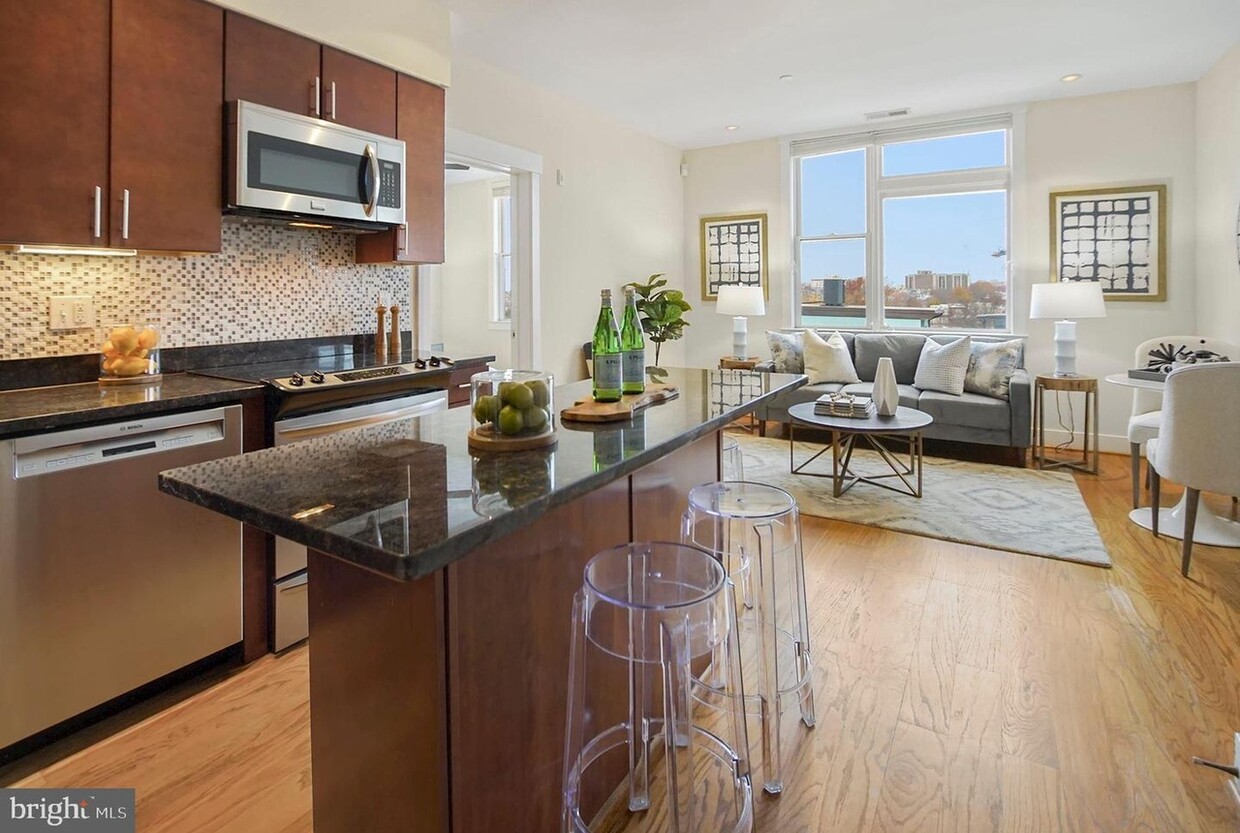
(634, 365)
(607, 373)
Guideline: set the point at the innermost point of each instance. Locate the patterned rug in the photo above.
(1019, 510)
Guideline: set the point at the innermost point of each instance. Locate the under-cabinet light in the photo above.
(31, 249)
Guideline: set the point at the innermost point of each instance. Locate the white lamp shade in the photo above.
(741, 300)
(1067, 300)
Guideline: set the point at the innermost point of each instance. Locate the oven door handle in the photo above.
(288, 435)
(371, 180)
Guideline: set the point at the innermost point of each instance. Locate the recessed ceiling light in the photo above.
(785, 78)
(732, 127)
(1070, 77)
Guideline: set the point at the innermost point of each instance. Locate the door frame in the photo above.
(524, 169)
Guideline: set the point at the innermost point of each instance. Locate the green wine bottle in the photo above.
(632, 346)
(607, 360)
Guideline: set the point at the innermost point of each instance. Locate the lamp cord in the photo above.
(1070, 427)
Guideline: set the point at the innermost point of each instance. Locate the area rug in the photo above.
(1018, 510)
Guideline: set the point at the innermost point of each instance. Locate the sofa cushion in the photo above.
(968, 409)
(903, 349)
(787, 351)
(908, 394)
(943, 367)
(828, 360)
(991, 367)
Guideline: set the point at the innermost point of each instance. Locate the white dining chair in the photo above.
(1146, 405)
(1198, 444)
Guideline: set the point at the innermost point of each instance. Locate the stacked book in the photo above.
(844, 405)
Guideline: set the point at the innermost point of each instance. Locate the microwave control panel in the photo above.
(389, 184)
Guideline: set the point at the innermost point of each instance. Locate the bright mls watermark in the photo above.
(67, 811)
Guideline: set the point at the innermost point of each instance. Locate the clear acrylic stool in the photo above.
(731, 458)
(755, 531)
(656, 608)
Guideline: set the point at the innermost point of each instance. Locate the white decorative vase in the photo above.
(886, 395)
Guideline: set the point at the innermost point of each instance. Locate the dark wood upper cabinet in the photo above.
(358, 93)
(54, 131)
(269, 66)
(420, 125)
(167, 124)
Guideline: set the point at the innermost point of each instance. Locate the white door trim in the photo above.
(525, 169)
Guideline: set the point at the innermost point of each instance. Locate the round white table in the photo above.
(1210, 529)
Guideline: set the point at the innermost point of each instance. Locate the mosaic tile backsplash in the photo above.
(268, 282)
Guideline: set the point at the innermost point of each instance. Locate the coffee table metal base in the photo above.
(842, 475)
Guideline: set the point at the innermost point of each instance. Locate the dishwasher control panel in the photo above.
(65, 450)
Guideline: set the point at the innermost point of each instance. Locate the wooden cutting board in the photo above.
(587, 410)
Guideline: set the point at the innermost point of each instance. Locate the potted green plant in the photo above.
(661, 311)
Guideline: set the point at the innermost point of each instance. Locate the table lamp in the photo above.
(739, 302)
(1067, 301)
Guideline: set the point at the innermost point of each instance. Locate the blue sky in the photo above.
(950, 233)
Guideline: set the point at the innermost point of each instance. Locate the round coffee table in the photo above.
(876, 432)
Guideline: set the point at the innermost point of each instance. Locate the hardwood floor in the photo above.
(959, 689)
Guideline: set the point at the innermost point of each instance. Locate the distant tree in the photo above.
(854, 292)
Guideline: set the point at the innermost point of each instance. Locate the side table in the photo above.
(1087, 385)
(732, 363)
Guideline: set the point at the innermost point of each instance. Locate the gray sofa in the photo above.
(968, 418)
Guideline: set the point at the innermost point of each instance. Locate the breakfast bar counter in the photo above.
(441, 585)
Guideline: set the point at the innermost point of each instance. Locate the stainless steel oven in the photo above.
(293, 166)
(290, 612)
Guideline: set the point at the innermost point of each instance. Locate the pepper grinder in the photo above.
(394, 337)
(380, 344)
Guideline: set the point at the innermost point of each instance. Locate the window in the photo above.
(501, 256)
(904, 229)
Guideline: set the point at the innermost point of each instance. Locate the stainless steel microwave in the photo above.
(288, 166)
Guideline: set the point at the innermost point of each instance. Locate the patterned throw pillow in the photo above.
(942, 367)
(787, 351)
(991, 366)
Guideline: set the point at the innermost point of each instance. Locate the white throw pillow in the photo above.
(942, 367)
(828, 361)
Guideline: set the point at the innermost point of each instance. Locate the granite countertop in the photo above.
(32, 410)
(406, 498)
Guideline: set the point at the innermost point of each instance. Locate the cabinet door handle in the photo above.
(402, 238)
(333, 112)
(125, 215)
(315, 96)
(98, 211)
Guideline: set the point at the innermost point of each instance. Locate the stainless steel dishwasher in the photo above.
(105, 582)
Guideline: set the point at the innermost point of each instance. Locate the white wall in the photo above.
(1132, 137)
(730, 179)
(461, 287)
(412, 36)
(1218, 196)
(618, 216)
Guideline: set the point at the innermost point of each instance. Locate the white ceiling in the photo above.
(681, 70)
(451, 176)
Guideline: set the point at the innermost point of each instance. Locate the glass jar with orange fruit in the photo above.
(130, 353)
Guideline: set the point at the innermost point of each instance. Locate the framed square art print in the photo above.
(1114, 236)
(733, 249)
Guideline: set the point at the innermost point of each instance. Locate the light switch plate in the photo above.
(71, 312)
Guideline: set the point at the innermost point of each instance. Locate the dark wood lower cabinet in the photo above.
(438, 705)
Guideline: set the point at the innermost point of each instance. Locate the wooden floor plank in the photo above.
(958, 689)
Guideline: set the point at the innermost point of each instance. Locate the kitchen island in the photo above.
(441, 588)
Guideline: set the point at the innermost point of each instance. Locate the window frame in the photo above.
(498, 254)
(879, 188)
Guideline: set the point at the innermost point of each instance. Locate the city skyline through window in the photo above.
(942, 239)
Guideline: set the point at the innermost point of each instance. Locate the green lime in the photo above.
(516, 394)
(535, 418)
(510, 420)
(486, 409)
(542, 396)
